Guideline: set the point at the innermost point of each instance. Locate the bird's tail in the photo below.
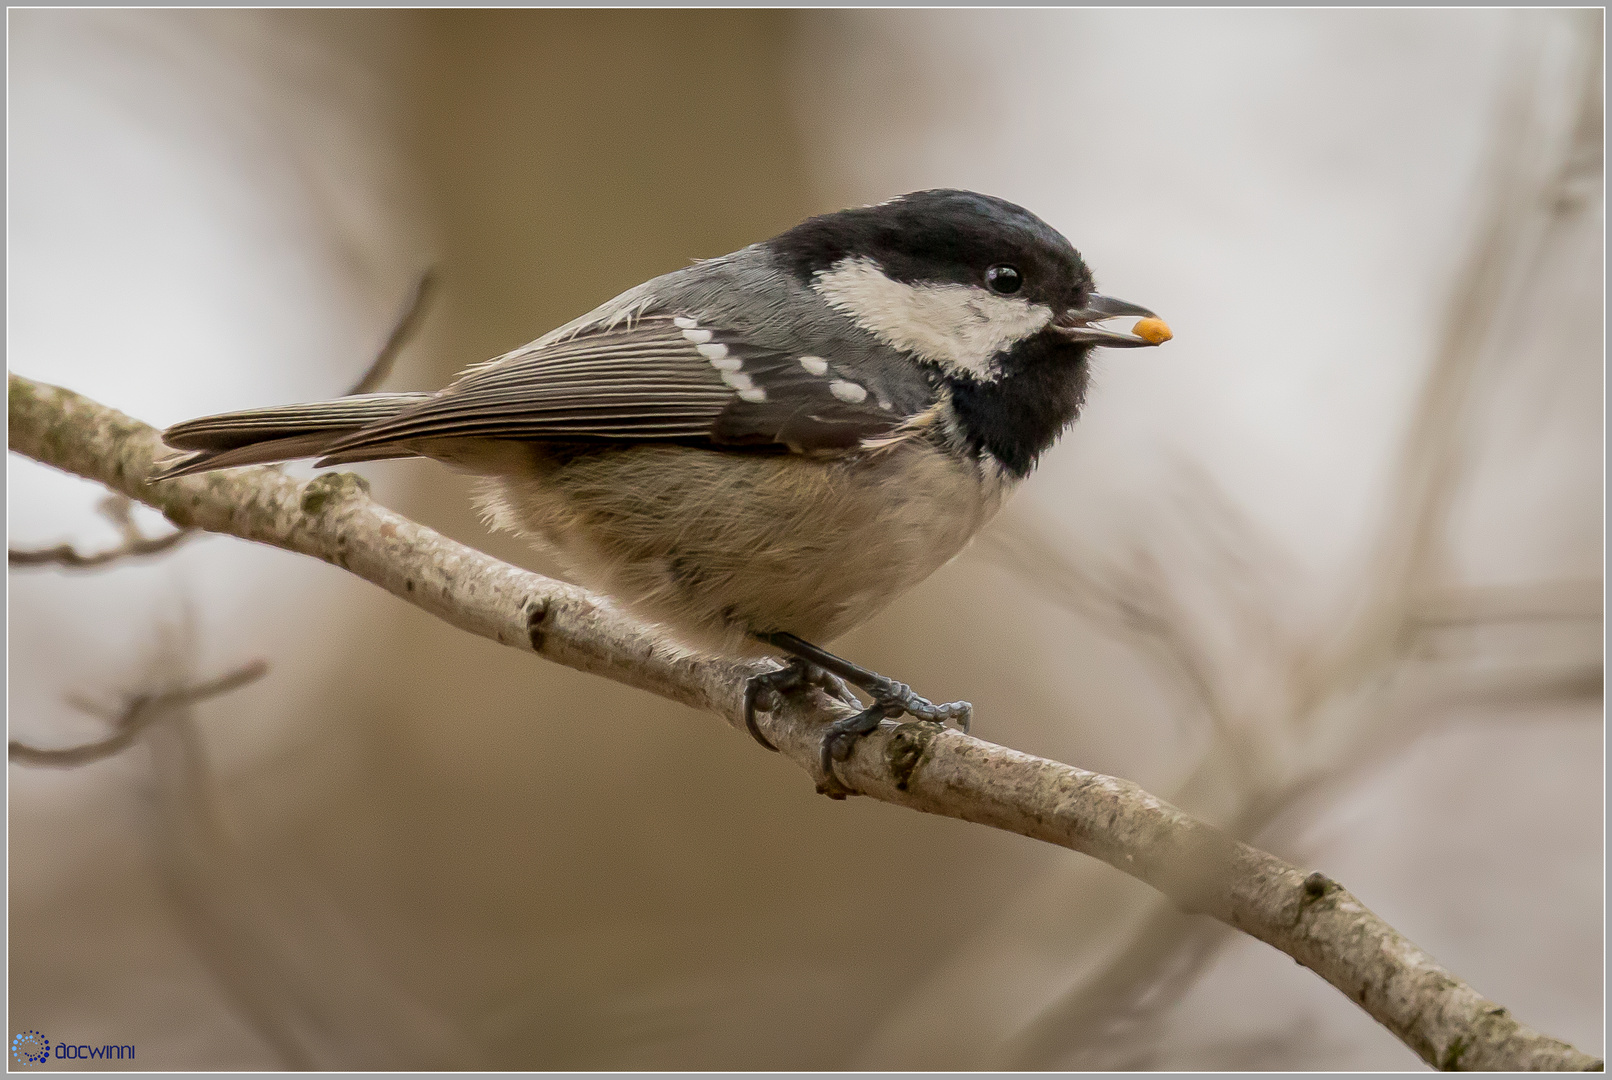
(262, 436)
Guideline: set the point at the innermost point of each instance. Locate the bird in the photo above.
(758, 452)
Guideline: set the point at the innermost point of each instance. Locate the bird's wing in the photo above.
(659, 377)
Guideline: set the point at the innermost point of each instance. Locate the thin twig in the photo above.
(921, 766)
(138, 714)
(408, 321)
(116, 509)
(69, 557)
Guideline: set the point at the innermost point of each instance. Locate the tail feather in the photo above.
(263, 436)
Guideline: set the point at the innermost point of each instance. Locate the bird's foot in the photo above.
(890, 699)
(897, 698)
(763, 691)
(838, 741)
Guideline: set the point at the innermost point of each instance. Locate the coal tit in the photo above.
(762, 450)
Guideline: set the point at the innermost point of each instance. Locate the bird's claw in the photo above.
(764, 690)
(838, 740)
(898, 698)
(890, 700)
(832, 685)
(836, 675)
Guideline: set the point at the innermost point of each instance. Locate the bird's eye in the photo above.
(1004, 280)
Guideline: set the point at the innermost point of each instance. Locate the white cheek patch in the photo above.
(960, 327)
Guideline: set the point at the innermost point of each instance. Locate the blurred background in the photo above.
(1325, 570)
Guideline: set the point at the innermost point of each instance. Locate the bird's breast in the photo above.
(714, 545)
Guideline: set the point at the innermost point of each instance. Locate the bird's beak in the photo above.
(1076, 324)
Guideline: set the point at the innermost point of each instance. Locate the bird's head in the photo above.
(962, 281)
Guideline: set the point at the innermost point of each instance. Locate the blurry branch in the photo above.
(408, 321)
(921, 766)
(140, 712)
(296, 971)
(1293, 712)
(1534, 160)
(118, 509)
(1543, 601)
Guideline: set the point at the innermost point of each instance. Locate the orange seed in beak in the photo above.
(1153, 331)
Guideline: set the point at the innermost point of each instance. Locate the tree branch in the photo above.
(117, 508)
(921, 766)
(408, 321)
(136, 544)
(138, 714)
